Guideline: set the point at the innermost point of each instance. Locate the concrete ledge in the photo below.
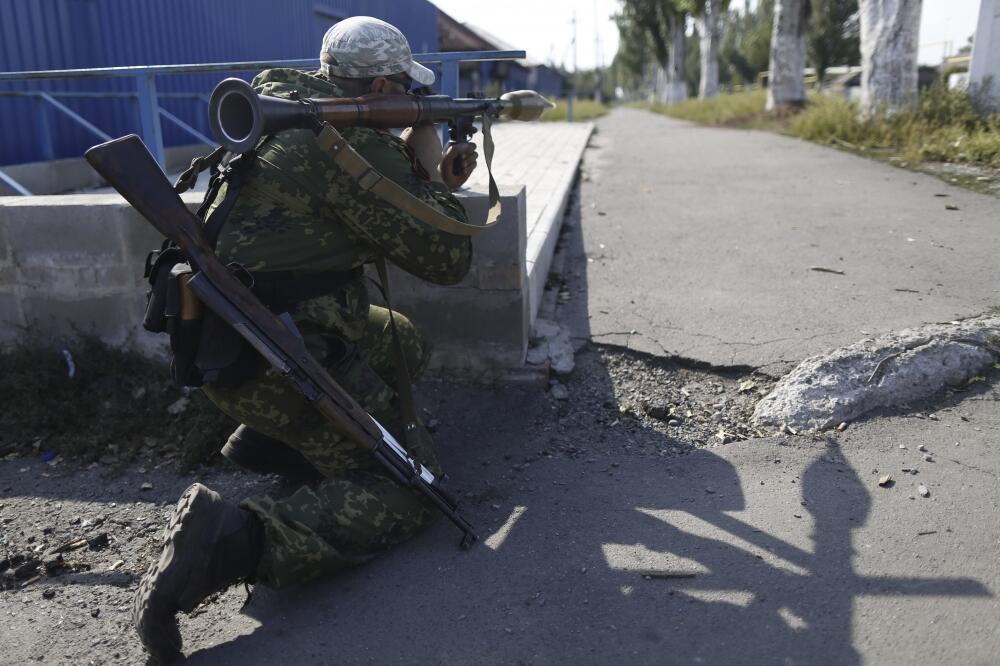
(73, 264)
(479, 327)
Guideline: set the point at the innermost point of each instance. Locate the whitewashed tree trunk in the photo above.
(889, 42)
(986, 49)
(676, 86)
(786, 87)
(708, 27)
(659, 84)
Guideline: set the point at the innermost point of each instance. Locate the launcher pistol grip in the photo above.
(460, 130)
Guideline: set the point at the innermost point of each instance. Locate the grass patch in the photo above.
(114, 410)
(944, 126)
(743, 109)
(583, 110)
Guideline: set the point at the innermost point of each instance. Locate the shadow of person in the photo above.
(597, 549)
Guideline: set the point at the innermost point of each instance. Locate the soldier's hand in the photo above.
(458, 163)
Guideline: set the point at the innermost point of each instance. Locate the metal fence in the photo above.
(150, 113)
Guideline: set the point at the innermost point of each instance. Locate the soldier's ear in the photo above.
(379, 85)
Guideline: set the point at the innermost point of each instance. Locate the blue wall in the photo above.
(66, 34)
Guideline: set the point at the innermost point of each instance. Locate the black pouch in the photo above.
(159, 264)
(183, 321)
(204, 349)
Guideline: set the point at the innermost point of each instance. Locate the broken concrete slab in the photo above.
(885, 371)
(552, 347)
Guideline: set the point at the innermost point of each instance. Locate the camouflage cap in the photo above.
(363, 47)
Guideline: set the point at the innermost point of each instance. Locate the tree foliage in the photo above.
(746, 43)
(834, 35)
(644, 26)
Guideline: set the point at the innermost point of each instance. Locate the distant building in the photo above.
(70, 34)
(495, 77)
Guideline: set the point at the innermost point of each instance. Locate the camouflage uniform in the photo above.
(298, 212)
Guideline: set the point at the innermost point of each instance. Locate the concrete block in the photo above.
(68, 230)
(498, 254)
(468, 317)
(4, 244)
(71, 281)
(11, 317)
(111, 318)
(10, 277)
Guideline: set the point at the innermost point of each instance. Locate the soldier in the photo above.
(304, 228)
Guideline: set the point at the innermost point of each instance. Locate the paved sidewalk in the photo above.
(701, 241)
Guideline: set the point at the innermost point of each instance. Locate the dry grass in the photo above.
(583, 110)
(944, 126)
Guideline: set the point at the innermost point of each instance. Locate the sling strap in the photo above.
(404, 386)
(188, 179)
(370, 180)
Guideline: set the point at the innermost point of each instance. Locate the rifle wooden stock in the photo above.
(129, 167)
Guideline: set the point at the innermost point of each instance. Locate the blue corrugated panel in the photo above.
(65, 34)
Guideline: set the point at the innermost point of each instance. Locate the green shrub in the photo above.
(733, 108)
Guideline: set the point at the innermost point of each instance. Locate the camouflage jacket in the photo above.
(297, 211)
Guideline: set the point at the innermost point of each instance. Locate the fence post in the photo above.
(449, 78)
(449, 86)
(44, 129)
(149, 116)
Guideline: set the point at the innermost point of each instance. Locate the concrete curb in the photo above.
(890, 370)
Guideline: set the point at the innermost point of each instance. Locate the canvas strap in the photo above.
(404, 386)
(370, 180)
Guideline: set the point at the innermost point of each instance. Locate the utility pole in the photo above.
(572, 81)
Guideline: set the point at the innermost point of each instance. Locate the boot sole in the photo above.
(154, 618)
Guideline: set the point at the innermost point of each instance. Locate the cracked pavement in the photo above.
(711, 235)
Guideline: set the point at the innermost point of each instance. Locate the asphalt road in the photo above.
(701, 242)
(605, 538)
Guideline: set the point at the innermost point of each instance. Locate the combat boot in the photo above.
(256, 452)
(209, 544)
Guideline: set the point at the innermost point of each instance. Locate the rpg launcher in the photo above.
(239, 117)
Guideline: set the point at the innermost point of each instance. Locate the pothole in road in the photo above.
(646, 404)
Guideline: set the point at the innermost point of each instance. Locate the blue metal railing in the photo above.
(150, 112)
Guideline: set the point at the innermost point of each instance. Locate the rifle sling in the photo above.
(372, 181)
(404, 387)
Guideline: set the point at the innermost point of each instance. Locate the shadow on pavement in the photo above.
(591, 555)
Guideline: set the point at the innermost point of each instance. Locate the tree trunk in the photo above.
(708, 27)
(786, 87)
(889, 40)
(676, 86)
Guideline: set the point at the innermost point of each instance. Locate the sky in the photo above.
(544, 27)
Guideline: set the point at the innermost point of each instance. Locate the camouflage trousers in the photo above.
(357, 511)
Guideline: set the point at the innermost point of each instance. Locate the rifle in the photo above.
(129, 167)
(239, 117)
